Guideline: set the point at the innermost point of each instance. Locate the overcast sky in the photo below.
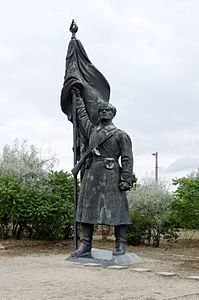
(147, 50)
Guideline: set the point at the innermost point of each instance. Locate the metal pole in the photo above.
(156, 166)
(74, 162)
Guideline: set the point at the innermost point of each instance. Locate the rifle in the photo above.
(78, 166)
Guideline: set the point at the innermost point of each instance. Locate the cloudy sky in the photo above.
(147, 50)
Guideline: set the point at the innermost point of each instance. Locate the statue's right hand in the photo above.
(124, 186)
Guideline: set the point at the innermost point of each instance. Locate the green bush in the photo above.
(151, 204)
(51, 217)
(10, 189)
(138, 231)
(42, 213)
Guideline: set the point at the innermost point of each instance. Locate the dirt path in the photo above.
(40, 275)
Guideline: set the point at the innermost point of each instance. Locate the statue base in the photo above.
(106, 258)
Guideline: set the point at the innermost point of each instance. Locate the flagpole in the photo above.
(74, 162)
(73, 30)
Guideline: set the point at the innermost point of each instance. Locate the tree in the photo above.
(185, 205)
(25, 162)
(149, 203)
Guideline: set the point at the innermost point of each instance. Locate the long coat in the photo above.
(101, 201)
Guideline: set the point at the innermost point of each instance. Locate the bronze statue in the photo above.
(98, 148)
(102, 198)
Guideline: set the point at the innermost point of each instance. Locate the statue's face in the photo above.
(105, 114)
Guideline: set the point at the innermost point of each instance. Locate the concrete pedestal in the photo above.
(106, 258)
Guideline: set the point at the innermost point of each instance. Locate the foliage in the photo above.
(137, 231)
(134, 180)
(10, 188)
(185, 205)
(39, 213)
(25, 162)
(194, 173)
(61, 183)
(150, 208)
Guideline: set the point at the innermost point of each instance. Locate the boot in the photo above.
(84, 249)
(120, 240)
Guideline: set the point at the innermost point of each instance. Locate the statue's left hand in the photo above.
(75, 90)
(124, 186)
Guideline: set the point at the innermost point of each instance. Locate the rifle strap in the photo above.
(111, 133)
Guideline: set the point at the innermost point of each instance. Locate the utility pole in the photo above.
(156, 166)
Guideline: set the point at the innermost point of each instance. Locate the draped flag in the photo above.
(82, 73)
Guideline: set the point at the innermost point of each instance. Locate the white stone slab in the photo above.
(117, 267)
(140, 270)
(193, 277)
(169, 274)
(92, 265)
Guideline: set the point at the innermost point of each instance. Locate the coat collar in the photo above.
(107, 127)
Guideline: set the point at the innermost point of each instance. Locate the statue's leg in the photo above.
(120, 239)
(86, 235)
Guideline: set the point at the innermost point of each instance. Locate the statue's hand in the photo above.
(75, 90)
(124, 186)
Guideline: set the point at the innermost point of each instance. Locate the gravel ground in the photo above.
(30, 270)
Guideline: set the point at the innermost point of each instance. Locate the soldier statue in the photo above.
(106, 177)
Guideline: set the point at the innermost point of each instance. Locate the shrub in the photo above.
(137, 231)
(150, 203)
(37, 212)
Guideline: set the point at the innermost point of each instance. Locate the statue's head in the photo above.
(106, 110)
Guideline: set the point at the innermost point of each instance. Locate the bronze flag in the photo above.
(81, 72)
